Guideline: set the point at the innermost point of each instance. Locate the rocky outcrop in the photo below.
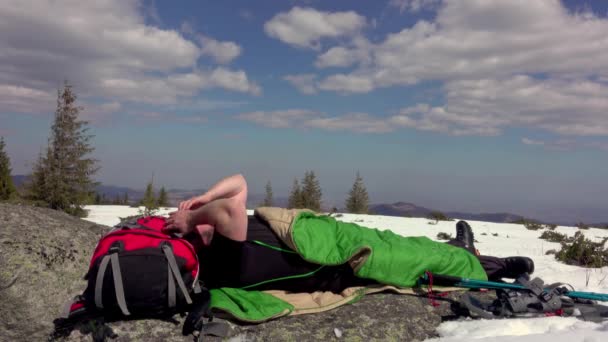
(44, 255)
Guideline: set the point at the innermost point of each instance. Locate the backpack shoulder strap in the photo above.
(117, 277)
(173, 268)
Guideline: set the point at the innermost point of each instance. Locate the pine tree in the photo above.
(268, 200)
(311, 192)
(125, 199)
(36, 188)
(295, 196)
(116, 200)
(438, 216)
(91, 198)
(358, 200)
(163, 200)
(7, 187)
(149, 201)
(63, 178)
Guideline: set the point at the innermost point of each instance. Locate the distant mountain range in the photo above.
(403, 209)
(411, 210)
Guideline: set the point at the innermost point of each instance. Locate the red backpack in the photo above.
(139, 271)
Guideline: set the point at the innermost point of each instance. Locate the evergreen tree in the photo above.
(163, 200)
(358, 200)
(268, 200)
(149, 201)
(97, 198)
(311, 192)
(116, 200)
(125, 199)
(438, 216)
(295, 196)
(36, 188)
(91, 198)
(7, 188)
(63, 178)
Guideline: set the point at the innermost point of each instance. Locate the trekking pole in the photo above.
(602, 297)
(440, 279)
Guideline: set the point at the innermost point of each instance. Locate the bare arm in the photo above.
(222, 209)
(233, 186)
(226, 216)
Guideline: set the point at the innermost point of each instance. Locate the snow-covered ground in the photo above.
(499, 239)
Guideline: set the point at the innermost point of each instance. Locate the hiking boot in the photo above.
(516, 266)
(464, 234)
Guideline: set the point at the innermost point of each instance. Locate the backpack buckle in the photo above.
(116, 247)
(166, 243)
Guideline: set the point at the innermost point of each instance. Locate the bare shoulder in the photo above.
(236, 227)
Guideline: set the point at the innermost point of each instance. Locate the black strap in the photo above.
(196, 317)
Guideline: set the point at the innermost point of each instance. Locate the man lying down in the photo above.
(297, 251)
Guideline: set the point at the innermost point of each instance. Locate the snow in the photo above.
(554, 329)
(511, 239)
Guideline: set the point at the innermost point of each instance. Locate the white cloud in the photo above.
(337, 57)
(302, 118)
(169, 89)
(305, 83)
(99, 113)
(19, 99)
(566, 144)
(234, 80)
(350, 83)
(221, 52)
(503, 64)
(204, 105)
(528, 141)
(353, 122)
(145, 117)
(305, 27)
(413, 5)
(192, 119)
(486, 107)
(280, 118)
(187, 27)
(107, 50)
(478, 107)
(111, 106)
(472, 39)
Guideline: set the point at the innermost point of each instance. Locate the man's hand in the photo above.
(179, 222)
(193, 203)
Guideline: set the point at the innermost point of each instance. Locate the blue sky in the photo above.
(456, 105)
